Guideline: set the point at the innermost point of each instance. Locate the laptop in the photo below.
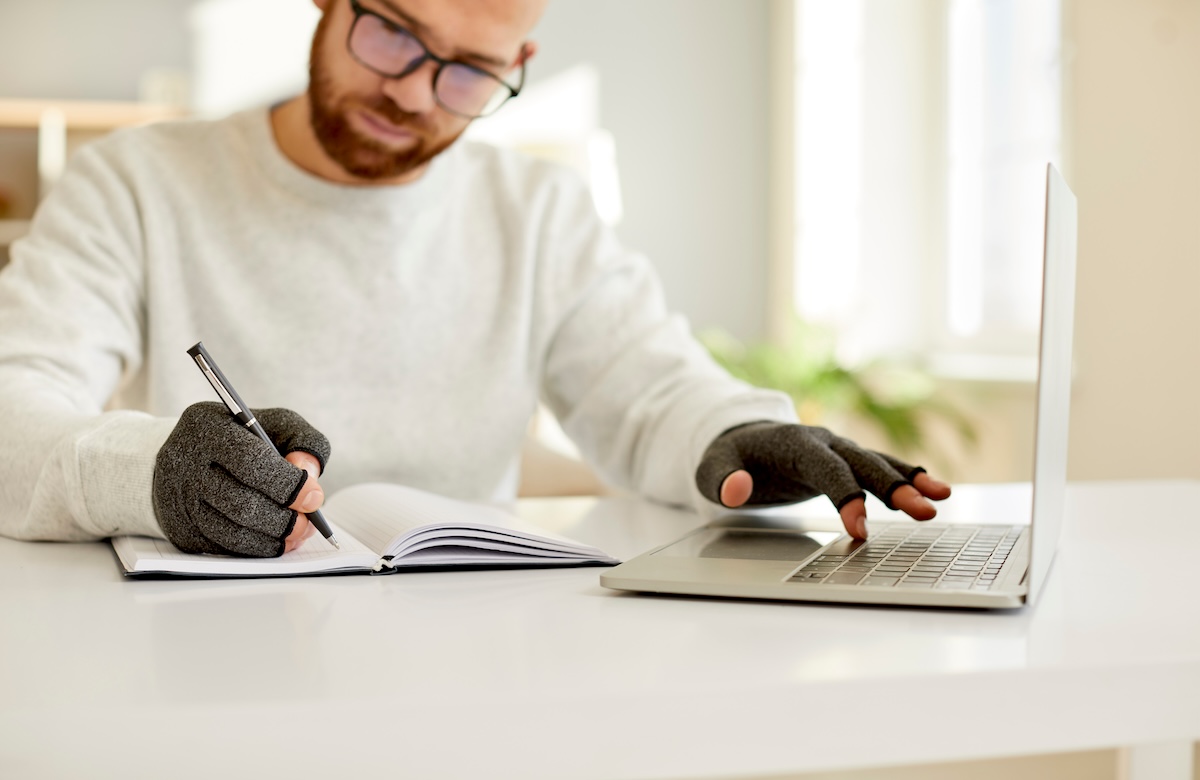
(773, 556)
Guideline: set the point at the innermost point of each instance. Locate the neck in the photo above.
(292, 127)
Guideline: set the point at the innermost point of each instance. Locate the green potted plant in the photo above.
(896, 398)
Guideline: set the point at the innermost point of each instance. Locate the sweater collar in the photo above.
(256, 125)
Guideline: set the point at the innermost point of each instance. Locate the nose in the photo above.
(414, 92)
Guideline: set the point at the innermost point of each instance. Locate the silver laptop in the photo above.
(772, 556)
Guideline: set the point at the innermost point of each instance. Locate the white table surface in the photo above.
(544, 674)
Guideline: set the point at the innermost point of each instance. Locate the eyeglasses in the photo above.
(393, 52)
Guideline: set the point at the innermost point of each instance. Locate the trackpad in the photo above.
(753, 545)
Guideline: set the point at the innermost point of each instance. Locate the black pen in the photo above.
(237, 407)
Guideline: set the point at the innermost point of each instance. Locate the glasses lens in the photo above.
(385, 49)
(470, 92)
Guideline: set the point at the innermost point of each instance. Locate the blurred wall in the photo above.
(88, 49)
(683, 90)
(1134, 143)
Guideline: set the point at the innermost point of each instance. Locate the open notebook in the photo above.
(382, 529)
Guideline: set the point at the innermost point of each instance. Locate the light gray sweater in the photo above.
(416, 326)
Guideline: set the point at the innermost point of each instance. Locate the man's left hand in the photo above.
(769, 463)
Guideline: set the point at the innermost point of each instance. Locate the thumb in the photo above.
(737, 488)
(722, 461)
(311, 495)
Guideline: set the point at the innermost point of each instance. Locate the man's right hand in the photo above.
(220, 489)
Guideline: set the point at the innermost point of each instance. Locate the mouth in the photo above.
(381, 129)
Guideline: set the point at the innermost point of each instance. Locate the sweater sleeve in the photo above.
(630, 385)
(71, 328)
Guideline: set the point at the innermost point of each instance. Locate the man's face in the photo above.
(379, 129)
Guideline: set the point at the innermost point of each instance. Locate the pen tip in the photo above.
(334, 542)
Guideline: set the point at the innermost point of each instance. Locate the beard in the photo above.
(357, 154)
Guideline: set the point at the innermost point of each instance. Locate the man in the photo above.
(412, 297)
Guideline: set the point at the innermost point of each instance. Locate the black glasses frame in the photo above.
(427, 56)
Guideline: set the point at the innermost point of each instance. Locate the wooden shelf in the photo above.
(62, 125)
(12, 229)
(82, 115)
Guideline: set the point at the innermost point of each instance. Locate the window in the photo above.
(922, 135)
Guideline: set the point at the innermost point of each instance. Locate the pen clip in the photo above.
(226, 396)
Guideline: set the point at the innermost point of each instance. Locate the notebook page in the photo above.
(471, 556)
(140, 554)
(440, 535)
(381, 515)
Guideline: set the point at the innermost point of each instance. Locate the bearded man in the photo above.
(412, 295)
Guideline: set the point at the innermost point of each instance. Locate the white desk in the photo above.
(544, 674)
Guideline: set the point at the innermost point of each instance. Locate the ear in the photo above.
(528, 49)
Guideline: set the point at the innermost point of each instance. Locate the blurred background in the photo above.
(844, 196)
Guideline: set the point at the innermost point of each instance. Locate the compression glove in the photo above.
(790, 463)
(218, 488)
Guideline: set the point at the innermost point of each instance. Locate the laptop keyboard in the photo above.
(947, 558)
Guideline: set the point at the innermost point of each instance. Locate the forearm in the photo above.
(71, 322)
(646, 422)
(71, 473)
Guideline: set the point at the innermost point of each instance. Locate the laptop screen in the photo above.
(1054, 376)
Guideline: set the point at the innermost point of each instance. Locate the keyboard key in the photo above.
(880, 581)
(844, 578)
(953, 585)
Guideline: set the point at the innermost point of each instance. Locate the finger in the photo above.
(187, 538)
(854, 518)
(872, 470)
(311, 494)
(233, 538)
(299, 534)
(930, 487)
(290, 432)
(828, 473)
(736, 488)
(720, 460)
(244, 506)
(910, 501)
(256, 464)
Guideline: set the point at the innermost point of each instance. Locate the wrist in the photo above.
(115, 462)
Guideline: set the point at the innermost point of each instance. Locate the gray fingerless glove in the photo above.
(218, 488)
(791, 463)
